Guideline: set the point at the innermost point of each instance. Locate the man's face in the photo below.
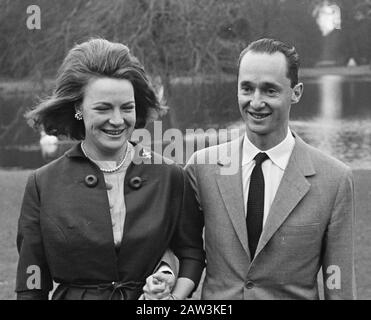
(265, 97)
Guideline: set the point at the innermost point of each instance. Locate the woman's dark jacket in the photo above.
(65, 229)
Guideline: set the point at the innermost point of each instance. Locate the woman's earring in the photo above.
(78, 115)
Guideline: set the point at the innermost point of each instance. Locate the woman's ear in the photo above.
(297, 92)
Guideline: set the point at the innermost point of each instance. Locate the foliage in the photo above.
(171, 37)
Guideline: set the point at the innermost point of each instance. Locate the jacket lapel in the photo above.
(96, 207)
(293, 187)
(231, 190)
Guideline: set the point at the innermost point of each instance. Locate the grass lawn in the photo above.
(12, 185)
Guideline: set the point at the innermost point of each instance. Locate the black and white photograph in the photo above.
(188, 150)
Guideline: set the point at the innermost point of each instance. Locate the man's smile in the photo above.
(259, 115)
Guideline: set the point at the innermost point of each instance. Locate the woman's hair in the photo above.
(95, 58)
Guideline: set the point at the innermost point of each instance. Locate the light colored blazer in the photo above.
(309, 226)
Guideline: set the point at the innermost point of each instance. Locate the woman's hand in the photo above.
(158, 286)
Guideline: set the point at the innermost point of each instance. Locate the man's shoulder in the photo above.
(215, 152)
(210, 150)
(325, 162)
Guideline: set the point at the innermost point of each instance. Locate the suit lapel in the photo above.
(231, 190)
(293, 187)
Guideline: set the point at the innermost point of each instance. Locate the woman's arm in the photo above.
(158, 287)
(33, 277)
(183, 289)
(187, 243)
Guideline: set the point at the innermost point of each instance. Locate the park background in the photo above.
(190, 48)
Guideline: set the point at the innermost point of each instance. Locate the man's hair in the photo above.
(271, 46)
(93, 59)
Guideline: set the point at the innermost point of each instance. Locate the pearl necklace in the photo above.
(103, 169)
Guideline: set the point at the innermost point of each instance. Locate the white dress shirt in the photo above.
(273, 168)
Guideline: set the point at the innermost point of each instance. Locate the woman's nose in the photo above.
(116, 118)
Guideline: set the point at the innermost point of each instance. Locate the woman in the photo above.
(98, 220)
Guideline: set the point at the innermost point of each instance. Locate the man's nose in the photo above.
(116, 118)
(256, 100)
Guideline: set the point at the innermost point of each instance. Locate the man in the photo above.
(289, 209)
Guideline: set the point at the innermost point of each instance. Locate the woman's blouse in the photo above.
(115, 191)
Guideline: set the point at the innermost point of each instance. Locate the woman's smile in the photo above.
(113, 133)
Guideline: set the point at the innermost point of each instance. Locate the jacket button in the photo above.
(91, 180)
(109, 186)
(135, 182)
(249, 284)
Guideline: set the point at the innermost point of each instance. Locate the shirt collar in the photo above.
(279, 154)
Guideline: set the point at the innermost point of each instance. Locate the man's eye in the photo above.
(271, 91)
(247, 89)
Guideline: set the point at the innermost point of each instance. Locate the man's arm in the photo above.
(338, 248)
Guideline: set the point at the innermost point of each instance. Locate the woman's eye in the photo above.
(128, 108)
(102, 108)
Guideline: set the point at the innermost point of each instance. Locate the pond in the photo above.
(333, 115)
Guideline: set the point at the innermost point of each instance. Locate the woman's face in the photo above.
(108, 110)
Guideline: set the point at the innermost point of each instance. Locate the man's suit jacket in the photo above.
(65, 226)
(309, 226)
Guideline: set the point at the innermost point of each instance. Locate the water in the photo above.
(333, 115)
